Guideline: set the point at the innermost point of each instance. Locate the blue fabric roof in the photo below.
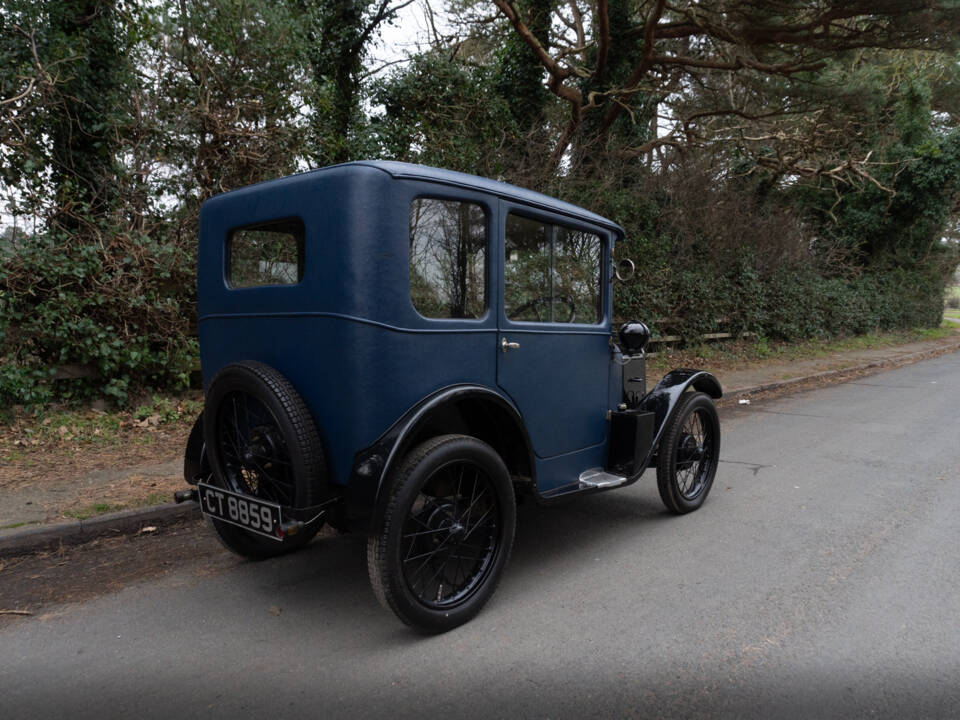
(402, 170)
(459, 179)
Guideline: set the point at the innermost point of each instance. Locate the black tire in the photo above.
(261, 441)
(420, 548)
(688, 454)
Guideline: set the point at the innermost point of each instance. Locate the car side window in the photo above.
(551, 272)
(448, 258)
(266, 254)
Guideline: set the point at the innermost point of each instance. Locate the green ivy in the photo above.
(116, 310)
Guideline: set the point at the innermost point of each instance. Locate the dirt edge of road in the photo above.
(781, 388)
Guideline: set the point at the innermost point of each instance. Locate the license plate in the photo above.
(247, 512)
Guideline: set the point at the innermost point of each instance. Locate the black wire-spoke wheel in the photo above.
(688, 454)
(262, 442)
(255, 458)
(450, 535)
(446, 534)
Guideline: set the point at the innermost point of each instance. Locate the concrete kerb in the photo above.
(74, 532)
(126, 522)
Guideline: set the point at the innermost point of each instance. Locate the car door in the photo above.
(553, 345)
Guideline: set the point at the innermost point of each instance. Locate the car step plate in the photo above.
(600, 479)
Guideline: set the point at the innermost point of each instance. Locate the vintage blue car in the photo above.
(402, 351)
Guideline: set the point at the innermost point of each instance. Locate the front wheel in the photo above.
(446, 534)
(688, 454)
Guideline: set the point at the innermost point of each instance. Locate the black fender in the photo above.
(451, 409)
(663, 399)
(195, 463)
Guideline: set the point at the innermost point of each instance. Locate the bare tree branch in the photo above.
(32, 82)
(578, 23)
(614, 110)
(384, 12)
(558, 73)
(739, 63)
(603, 40)
(564, 141)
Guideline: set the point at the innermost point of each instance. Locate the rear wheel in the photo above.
(262, 442)
(446, 534)
(688, 454)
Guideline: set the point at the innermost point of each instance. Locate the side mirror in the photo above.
(634, 337)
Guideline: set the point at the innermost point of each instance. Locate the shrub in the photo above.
(119, 308)
(793, 302)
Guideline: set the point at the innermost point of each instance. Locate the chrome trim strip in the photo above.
(562, 330)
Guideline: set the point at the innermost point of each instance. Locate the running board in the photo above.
(598, 478)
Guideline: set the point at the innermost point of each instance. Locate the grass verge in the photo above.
(737, 354)
(85, 513)
(93, 510)
(13, 526)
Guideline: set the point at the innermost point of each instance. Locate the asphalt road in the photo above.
(821, 579)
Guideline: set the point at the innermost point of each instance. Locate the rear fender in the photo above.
(195, 463)
(453, 409)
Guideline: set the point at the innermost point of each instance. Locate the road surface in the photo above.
(820, 579)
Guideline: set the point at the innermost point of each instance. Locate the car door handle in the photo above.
(507, 345)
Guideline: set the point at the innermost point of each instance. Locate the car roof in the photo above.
(451, 178)
(402, 170)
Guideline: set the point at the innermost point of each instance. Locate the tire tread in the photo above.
(666, 471)
(378, 564)
(306, 445)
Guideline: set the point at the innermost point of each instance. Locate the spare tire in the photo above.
(261, 441)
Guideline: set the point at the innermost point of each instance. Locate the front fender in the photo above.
(663, 399)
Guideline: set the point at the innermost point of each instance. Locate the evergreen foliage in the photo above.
(790, 169)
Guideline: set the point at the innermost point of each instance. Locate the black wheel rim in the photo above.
(254, 456)
(694, 454)
(451, 535)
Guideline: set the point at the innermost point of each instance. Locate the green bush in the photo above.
(793, 302)
(117, 308)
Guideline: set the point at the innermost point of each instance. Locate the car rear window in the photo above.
(266, 254)
(448, 258)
